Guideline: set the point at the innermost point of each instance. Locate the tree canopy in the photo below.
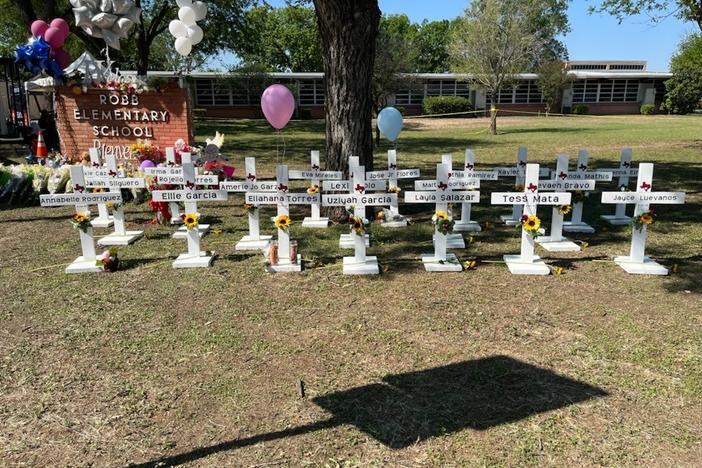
(684, 89)
(656, 10)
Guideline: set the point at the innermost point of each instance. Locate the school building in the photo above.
(606, 87)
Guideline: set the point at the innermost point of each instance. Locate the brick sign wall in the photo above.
(112, 121)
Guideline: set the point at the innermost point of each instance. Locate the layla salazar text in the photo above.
(125, 131)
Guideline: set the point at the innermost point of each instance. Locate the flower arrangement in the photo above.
(380, 216)
(249, 208)
(144, 150)
(564, 209)
(108, 260)
(121, 86)
(394, 189)
(644, 219)
(283, 222)
(81, 221)
(190, 220)
(578, 196)
(443, 221)
(358, 224)
(312, 189)
(531, 224)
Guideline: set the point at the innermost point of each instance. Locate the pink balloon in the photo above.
(54, 37)
(62, 57)
(278, 105)
(38, 28)
(61, 24)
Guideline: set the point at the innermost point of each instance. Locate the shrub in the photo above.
(647, 109)
(446, 105)
(580, 109)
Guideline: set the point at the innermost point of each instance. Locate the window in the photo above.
(203, 92)
(410, 96)
(311, 92)
(605, 91)
(525, 92)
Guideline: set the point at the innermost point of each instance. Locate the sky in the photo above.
(593, 37)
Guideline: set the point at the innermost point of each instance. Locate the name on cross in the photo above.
(624, 172)
(356, 199)
(115, 182)
(399, 173)
(321, 175)
(587, 185)
(185, 195)
(249, 186)
(180, 180)
(94, 173)
(530, 199)
(452, 184)
(485, 175)
(639, 197)
(276, 198)
(345, 185)
(601, 176)
(437, 197)
(163, 171)
(80, 199)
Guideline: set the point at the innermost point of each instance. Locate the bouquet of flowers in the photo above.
(108, 260)
(443, 221)
(144, 150)
(358, 224)
(81, 221)
(644, 219)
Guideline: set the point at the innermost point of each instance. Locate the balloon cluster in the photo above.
(185, 28)
(44, 52)
(110, 20)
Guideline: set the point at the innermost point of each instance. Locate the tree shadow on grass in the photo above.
(404, 409)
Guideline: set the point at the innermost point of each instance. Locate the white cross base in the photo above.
(103, 220)
(526, 263)
(636, 262)
(555, 241)
(194, 257)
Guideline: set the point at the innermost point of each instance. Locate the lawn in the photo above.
(233, 367)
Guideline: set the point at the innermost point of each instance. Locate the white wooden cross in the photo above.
(465, 224)
(556, 241)
(315, 175)
(253, 240)
(392, 175)
(289, 260)
(359, 264)
(623, 172)
(518, 173)
(86, 263)
(176, 176)
(345, 240)
(441, 196)
(576, 223)
(189, 195)
(173, 207)
(637, 262)
(116, 181)
(526, 263)
(103, 220)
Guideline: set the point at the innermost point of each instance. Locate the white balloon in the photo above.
(200, 10)
(195, 34)
(182, 3)
(183, 46)
(187, 15)
(178, 28)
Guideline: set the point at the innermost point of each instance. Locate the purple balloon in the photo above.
(62, 57)
(147, 163)
(278, 105)
(54, 37)
(60, 23)
(38, 28)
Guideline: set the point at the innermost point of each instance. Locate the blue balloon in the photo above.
(35, 57)
(390, 123)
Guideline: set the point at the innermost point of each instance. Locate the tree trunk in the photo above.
(348, 30)
(142, 56)
(493, 115)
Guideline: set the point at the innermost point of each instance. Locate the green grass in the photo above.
(598, 367)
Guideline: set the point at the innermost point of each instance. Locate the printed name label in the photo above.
(516, 198)
(114, 182)
(180, 180)
(189, 195)
(451, 184)
(375, 199)
(278, 198)
(345, 185)
(321, 175)
(663, 198)
(249, 186)
(484, 175)
(442, 197)
(80, 199)
(565, 185)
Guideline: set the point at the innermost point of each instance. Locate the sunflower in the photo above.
(283, 222)
(358, 225)
(564, 209)
(531, 224)
(646, 218)
(441, 215)
(81, 221)
(394, 189)
(313, 189)
(190, 220)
